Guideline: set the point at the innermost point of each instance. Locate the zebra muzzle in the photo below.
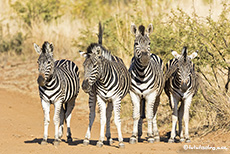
(41, 80)
(184, 86)
(86, 86)
(145, 58)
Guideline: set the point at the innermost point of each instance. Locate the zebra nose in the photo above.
(184, 85)
(41, 80)
(86, 86)
(145, 58)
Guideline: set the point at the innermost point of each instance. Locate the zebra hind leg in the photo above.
(109, 110)
(69, 108)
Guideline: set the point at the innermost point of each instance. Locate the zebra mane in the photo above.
(104, 52)
(142, 30)
(47, 47)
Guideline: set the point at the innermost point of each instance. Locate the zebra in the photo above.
(106, 79)
(58, 83)
(181, 85)
(147, 80)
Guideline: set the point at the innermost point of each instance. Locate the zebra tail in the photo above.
(100, 33)
(142, 108)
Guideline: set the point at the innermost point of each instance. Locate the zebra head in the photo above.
(185, 67)
(92, 67)
(45, 62)
(142, 43)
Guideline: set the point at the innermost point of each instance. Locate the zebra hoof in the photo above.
(187, 140)
(110, 141)
(171, 140)
(121, 145)
(44, 142)
(182, 139)
(151, 140)
(69, 139)
(157, 139)
(86, 142)
(99, 144)
(132, 140)
(56, 143)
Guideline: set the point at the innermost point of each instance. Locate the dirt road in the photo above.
(21, 119)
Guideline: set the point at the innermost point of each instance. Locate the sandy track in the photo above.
(21, 119)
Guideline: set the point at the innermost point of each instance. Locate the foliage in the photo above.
(32, 10)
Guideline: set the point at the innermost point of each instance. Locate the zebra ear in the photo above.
(37, 49)
(175, 54)
(82, 53)
(150, 29)
(51, 47)
(193, 55)
(133, 29)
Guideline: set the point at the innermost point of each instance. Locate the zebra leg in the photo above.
(109, 110)
(180, 117)
(136, 116)
(187, 103)
(70, 105)
(155, 128)
(140, 122)
(174, 103)
(117, 121)
(92, 105)
(150, 100)
(102, 108)
(61, 125)
(56, 119)
(46, 111)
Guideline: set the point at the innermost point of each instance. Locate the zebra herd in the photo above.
(107, 81)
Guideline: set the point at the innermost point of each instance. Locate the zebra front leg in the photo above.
(180, 117)
(92, 105)
(117, 121)
(150, 100)
(136, 116)
(56, 119)
(102, 108)
(46, 111)
(155, 128)
(61, 125)
(187, 103)
(109, 110)
(69, 108)
(174, 102)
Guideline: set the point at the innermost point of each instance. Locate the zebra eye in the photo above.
(135, 44)
(48, 62)
(149, 43)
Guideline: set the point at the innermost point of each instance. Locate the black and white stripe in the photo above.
(146, 83)
(59, 85)
(106, 80)
(181, 85)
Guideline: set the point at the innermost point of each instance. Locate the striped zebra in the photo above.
(181, 85)
(146, 84)
(59, 85)
(106, 79)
